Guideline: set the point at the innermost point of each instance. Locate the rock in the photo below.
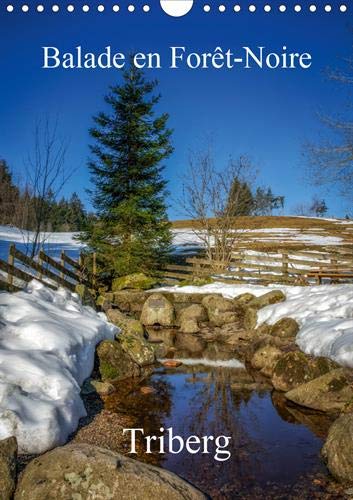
(8, 456)
(128, 325)
(91, 386)
(87, 295)
(185, 299)
(265, 359)
(136, 281)
(250, 318)
(263, 330)
(296, 368)
(220, 310)
(130, 301)
(171, 363)
(267, 299)
(103, 388)
(338, 448)
(84, 472)
(157, 310)
(196, 282)
(285, 327)
(330, 393)
(190, 317)
(114, 363)
(244, 298)
(189, 342)
(146, 389)
(138, 348)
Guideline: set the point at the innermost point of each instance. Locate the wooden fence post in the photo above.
(285, 265)
(94, 269)
(11, 262)
(62, 262)
(40, 262)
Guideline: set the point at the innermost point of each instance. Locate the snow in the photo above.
(324, 314)
(52, 243)
(47, 344)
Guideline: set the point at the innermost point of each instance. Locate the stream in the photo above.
(275, 447)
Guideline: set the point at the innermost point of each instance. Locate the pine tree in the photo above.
(132, 233)
(240, 199)
(9, 195)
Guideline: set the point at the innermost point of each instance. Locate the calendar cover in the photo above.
(176, 250)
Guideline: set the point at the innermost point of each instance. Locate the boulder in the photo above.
(157, 310)
(83, 471)
(244, 298)
(127, 325)
(329, 393)
(189, 342)
(190, 317)
(140, 351)
(267, 299)
(130, 301)
(250, 318)
(8, 456)
(92, 386)
(136, 281)
(114, 362)
(296, 368)
(285, 327)
(338, 449)
(220, 310)
(103, 388)
(265, 359)
(263, 330)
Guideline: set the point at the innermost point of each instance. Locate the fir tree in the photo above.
(132, 233)
(240, 199)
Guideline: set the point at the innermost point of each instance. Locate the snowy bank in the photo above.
(47, 345)
(324, 313)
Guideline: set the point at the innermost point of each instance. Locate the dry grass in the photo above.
(303, 225)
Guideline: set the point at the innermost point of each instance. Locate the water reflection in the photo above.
(274, 447)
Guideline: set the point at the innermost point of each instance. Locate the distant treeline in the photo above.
(18, 207)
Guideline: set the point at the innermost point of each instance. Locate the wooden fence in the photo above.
(291, 266)
(21, 269)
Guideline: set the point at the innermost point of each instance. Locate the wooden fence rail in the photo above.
(21, 269)
(289, 266)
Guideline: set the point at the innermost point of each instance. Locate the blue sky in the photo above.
(267, 114)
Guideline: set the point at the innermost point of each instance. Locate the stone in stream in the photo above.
(114, 363)
(265, 359)
(296, 368)
(329, 393)
(244, 298)
(83, 471)
(125, 323)
(285, 327)
(220, 310)
(171, 363)
(338, 448)
(8, 456)
(190, 318)
(157, 310)
(138, 348)
(91, 386)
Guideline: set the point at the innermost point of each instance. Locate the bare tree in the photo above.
(207, 201)
(46, 176)
(331, 162)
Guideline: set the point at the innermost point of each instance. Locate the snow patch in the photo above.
(47, 345)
